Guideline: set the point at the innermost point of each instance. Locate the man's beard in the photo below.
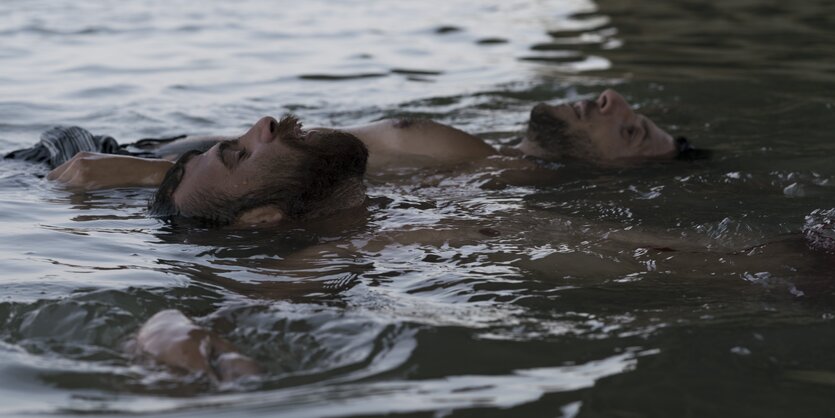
(162, 204)
(554, 135)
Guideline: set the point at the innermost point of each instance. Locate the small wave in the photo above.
(408, 71)
(492, 41)
(100, 92)
(340, 77)
(88, 30)
(443, 30)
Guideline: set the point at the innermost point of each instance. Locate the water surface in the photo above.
(672, 289)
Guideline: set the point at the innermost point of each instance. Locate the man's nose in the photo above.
(612, 103)
(267, 127)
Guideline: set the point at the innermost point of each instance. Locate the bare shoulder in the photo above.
(405, 137)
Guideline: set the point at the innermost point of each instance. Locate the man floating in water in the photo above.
(278, 171)
(267, 174)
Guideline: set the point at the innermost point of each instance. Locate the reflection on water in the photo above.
(671, 289)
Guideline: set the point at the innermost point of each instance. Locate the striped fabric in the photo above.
(60, 144)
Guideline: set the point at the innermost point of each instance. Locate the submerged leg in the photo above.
(172, 339)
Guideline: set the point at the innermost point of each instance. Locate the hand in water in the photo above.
(170, 338)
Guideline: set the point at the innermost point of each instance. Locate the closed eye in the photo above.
(629, 133)
(637, 133)
(229, 155)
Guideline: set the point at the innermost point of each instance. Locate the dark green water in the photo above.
(669, 290)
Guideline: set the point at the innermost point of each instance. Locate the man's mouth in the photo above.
(574, 109)
(580, 108)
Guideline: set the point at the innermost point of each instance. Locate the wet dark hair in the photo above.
(330, 164)
(685, 151)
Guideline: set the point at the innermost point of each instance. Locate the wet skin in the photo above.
(170, 338)
(609, 124)
(612, 126)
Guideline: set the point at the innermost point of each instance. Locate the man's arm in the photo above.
(90, 171)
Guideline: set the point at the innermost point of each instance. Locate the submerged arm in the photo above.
(91, 171)
(172, 339)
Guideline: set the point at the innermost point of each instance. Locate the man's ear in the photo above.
(262, 215)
